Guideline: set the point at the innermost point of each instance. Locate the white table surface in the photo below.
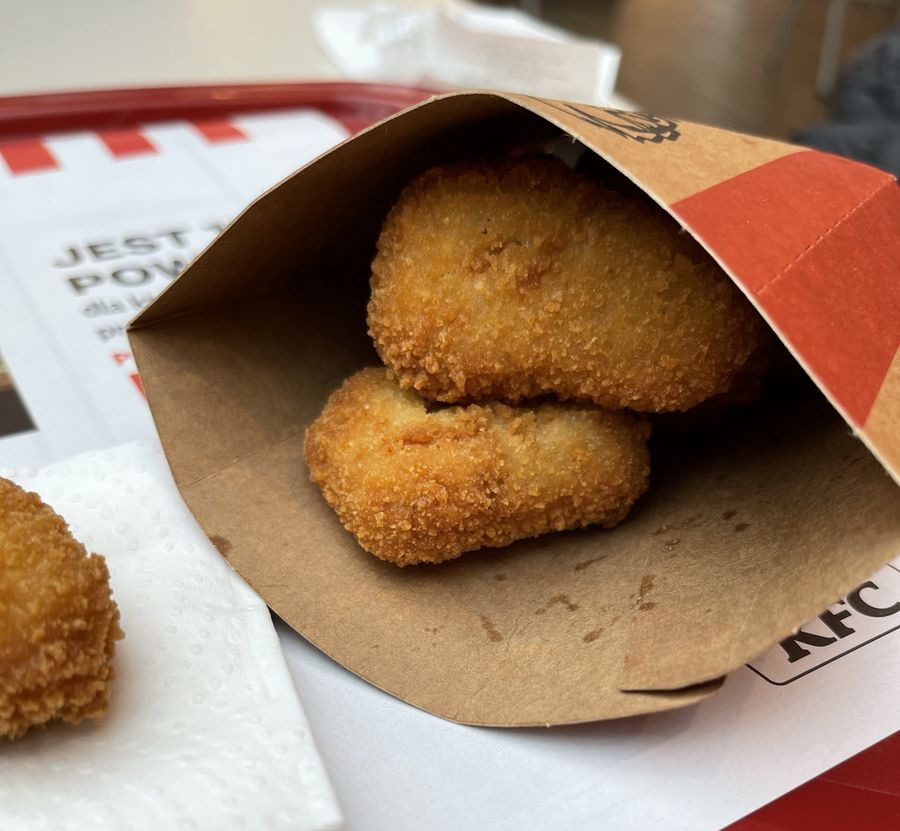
(58, 45)
(66, 45)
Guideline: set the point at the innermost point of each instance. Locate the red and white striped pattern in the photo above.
(34, 155)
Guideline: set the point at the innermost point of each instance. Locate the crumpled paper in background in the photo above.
(464, 45)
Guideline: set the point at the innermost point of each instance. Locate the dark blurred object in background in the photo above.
(704, 60)
(864, 111)
(868, 89)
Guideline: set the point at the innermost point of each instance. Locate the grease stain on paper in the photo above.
(586, 563)
(560, 600)
(222, 544)
(490, 629)
(563, 600)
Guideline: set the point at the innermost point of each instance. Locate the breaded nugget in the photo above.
(58, 621)
(415, 484)
(520, 279)
(746, 388)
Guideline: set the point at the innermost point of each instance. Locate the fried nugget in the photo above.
(746, 388)
(417, 484)
(520, 279)
(58, 621)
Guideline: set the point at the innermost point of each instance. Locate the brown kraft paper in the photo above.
(745, 533)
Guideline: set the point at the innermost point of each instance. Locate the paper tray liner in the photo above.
(745, 533)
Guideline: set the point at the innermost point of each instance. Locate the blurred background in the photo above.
(748, 65)
(761, 66)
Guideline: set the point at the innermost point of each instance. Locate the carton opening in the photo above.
(748, 529)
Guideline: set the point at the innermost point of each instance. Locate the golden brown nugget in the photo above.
(746, 388)
(521, 279)
(417, 485)
(58, 621)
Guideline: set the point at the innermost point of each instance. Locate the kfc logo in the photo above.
(640, 127)
(867, 613)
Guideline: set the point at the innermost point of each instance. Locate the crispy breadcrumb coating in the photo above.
(58, 621)
(415, 484)
(515, 280)
(746, 388)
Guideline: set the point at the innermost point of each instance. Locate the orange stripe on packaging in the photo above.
(829, 286)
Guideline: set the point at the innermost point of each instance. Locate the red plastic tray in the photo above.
(354, 105)
(862, 793)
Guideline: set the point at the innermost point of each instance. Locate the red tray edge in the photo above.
(356, 104)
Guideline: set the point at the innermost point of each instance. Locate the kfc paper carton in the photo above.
(746, 531)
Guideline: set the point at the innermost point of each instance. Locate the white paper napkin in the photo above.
(460, 44)
(205, 729)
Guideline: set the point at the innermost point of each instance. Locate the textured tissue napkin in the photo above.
(462, 44)
(205, 729)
